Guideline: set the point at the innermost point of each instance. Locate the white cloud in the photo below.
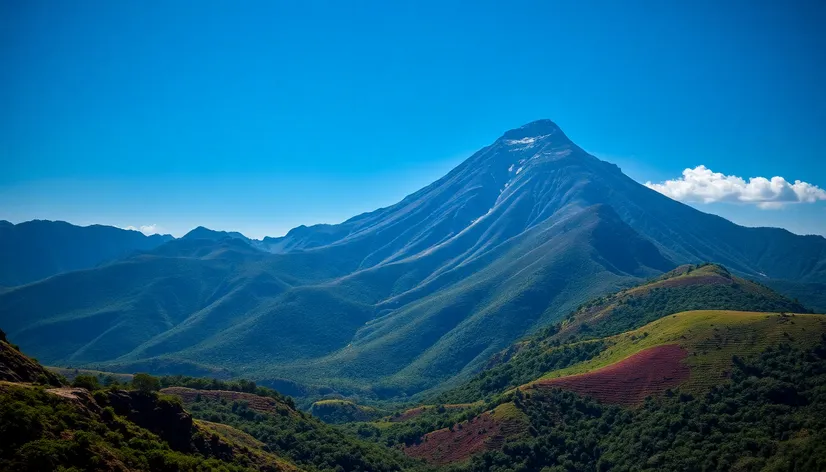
(146, 229)
(700, 184)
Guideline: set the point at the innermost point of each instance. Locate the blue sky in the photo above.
(266, 115)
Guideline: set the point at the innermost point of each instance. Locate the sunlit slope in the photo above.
(688, 287)
(709, 340)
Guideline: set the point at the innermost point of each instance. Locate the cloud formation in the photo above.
(146, 229)
(700, 184)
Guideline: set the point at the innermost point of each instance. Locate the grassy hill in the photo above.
(692, 390)
(688, 287)
(705, 345)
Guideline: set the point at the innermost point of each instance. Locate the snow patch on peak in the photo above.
(526, 140)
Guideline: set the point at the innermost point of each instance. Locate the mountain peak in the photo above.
(535, 130)
(205, 233)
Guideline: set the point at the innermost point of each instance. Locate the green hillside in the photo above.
(50, 425)
(305, 440)
(706, 286)
(710, 339)
(47, 424)
(689, 287)
(336, 411)
(702, 389)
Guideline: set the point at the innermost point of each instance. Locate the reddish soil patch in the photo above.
(257, 403)
(630, 380)
(479, 434)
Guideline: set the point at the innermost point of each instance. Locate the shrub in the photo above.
(89, 382)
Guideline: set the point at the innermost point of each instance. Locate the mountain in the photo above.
(408, 298)
(205, 233)
(38, 249)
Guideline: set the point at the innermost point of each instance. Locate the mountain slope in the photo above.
(405, 298)
(38, 249)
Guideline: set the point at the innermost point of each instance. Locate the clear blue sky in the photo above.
(262, 116)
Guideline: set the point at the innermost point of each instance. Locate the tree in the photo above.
(89, 382)
(145, 383)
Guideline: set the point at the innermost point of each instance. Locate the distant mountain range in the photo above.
(405, 298)
(38, 249)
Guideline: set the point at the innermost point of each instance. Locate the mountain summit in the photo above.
(536, 130)
(401, 299)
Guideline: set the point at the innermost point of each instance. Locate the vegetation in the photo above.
(711, 338)
(408, 432)
(771, 416)
(337, 411)
(52, 427)
(239, 385)
(306, 441)
(689, 287)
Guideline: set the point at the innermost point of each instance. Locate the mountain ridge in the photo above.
(37, 249)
